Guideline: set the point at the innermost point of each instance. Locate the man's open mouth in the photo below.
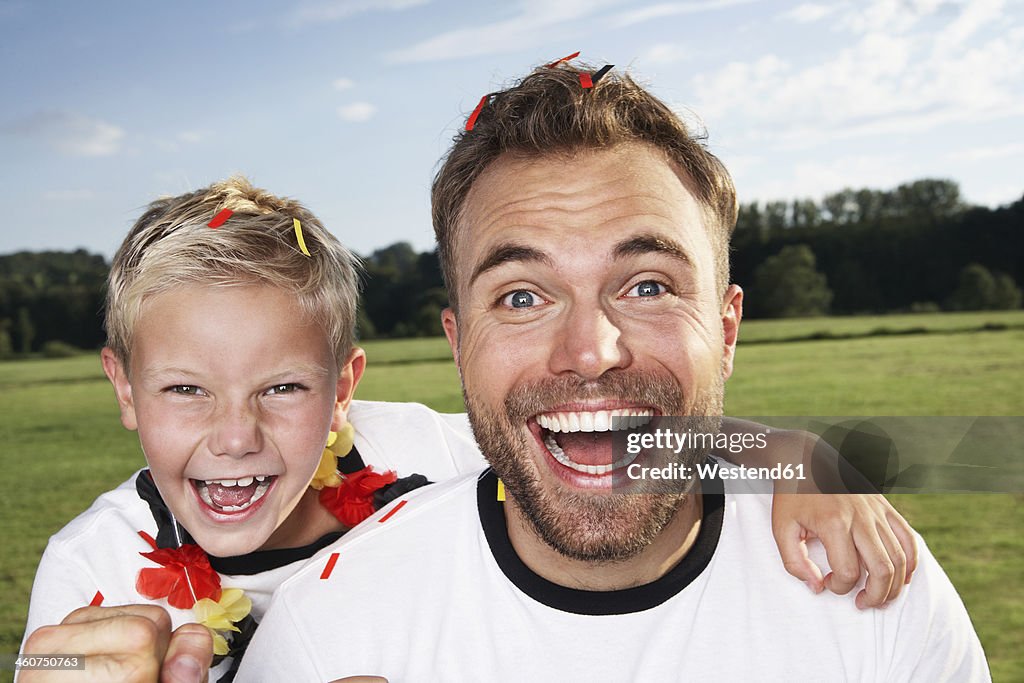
(582, 440)
(233, 495)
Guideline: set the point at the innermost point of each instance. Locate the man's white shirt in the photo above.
(431, 589)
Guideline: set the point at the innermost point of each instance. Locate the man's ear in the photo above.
(117, 373)
(732, 314)
(348, 380)
(451, 330)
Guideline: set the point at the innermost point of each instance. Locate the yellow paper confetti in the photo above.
(501, 491)
(298, 236)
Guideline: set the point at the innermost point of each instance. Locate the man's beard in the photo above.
(603, 526)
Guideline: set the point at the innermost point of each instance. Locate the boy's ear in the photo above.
(118, 376)
(732, 314)
(348, 380)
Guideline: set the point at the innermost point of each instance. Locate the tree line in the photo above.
(917, 247)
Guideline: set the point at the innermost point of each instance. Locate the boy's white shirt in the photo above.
(99, 549)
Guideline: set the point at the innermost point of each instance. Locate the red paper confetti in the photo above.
(97, 600)
(395, 509)
(476, 112)
(220, 218)
(555, 63)
(331, 561)
(586, 81)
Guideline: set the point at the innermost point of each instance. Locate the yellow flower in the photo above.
(339, 444)
(221, 615)
(343, 441)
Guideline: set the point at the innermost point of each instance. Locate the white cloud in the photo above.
(663, 53)
(815, 179)
(886, 81)
(67, 195)
(992, 152)
(357, 112)
(670, 9)
(809, 12)
(70, 133)
(191, 136)
(342, 83)
(535, 22)
(336, 10)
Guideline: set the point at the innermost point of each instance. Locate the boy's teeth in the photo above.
(244, 481)
(561, 457)
(596, 420)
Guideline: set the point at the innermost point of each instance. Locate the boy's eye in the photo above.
(647, 288)
(186, 390)
(282, 389)
(521, 298)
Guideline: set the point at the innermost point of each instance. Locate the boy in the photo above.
(231, 351)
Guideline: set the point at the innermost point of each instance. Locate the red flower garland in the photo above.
(352, 501)
(180, 568)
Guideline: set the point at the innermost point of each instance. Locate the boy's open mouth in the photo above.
(233, 495)
(582, 440)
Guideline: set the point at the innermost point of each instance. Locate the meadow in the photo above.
(63, 443)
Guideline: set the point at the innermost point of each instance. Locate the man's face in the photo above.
(587, 292)
(232, 392)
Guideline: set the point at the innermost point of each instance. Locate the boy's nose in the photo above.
(588, 344)
(236, 432)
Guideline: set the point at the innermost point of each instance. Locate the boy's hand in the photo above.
(858, 531)
(126, 643)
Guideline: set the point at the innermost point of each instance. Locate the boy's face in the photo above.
(232, 393)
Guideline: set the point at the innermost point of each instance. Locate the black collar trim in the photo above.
(238, 565)
(598, 603)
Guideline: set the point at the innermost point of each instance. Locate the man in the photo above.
(584, 238)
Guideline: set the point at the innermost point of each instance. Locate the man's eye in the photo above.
(647, 288)
(282, 389)
(186, 390)
(521, 298)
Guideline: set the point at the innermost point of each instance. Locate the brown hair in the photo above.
(549, 112)
(172, 246)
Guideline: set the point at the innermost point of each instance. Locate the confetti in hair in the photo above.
(471, 121)
(298, 236)
(600, 73)
(555, 63)
(586, 81)
(220, 218)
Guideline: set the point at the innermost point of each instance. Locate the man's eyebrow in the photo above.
(509, 252)
(652, 244)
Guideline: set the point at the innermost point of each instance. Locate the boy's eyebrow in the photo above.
(300, 369)
(509, 252)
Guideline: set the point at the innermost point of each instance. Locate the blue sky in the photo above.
(349, 104)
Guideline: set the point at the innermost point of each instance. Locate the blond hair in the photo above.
(550, 113)
(171, 245)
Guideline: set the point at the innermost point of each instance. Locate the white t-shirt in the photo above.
(433, 591)
(99, 550)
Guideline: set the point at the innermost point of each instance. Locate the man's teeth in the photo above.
(595, 421)
(561, 457)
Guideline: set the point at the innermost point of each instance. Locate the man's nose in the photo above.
(588, 344)
(236, 431)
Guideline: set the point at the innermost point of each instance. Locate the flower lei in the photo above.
(188, 581)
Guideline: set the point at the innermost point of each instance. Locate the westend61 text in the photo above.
(676, 441)
(708, 471)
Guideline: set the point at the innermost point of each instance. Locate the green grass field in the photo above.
(63, 443)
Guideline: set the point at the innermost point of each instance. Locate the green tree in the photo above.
(976, 290)
(1007, 294)
(788, 285)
